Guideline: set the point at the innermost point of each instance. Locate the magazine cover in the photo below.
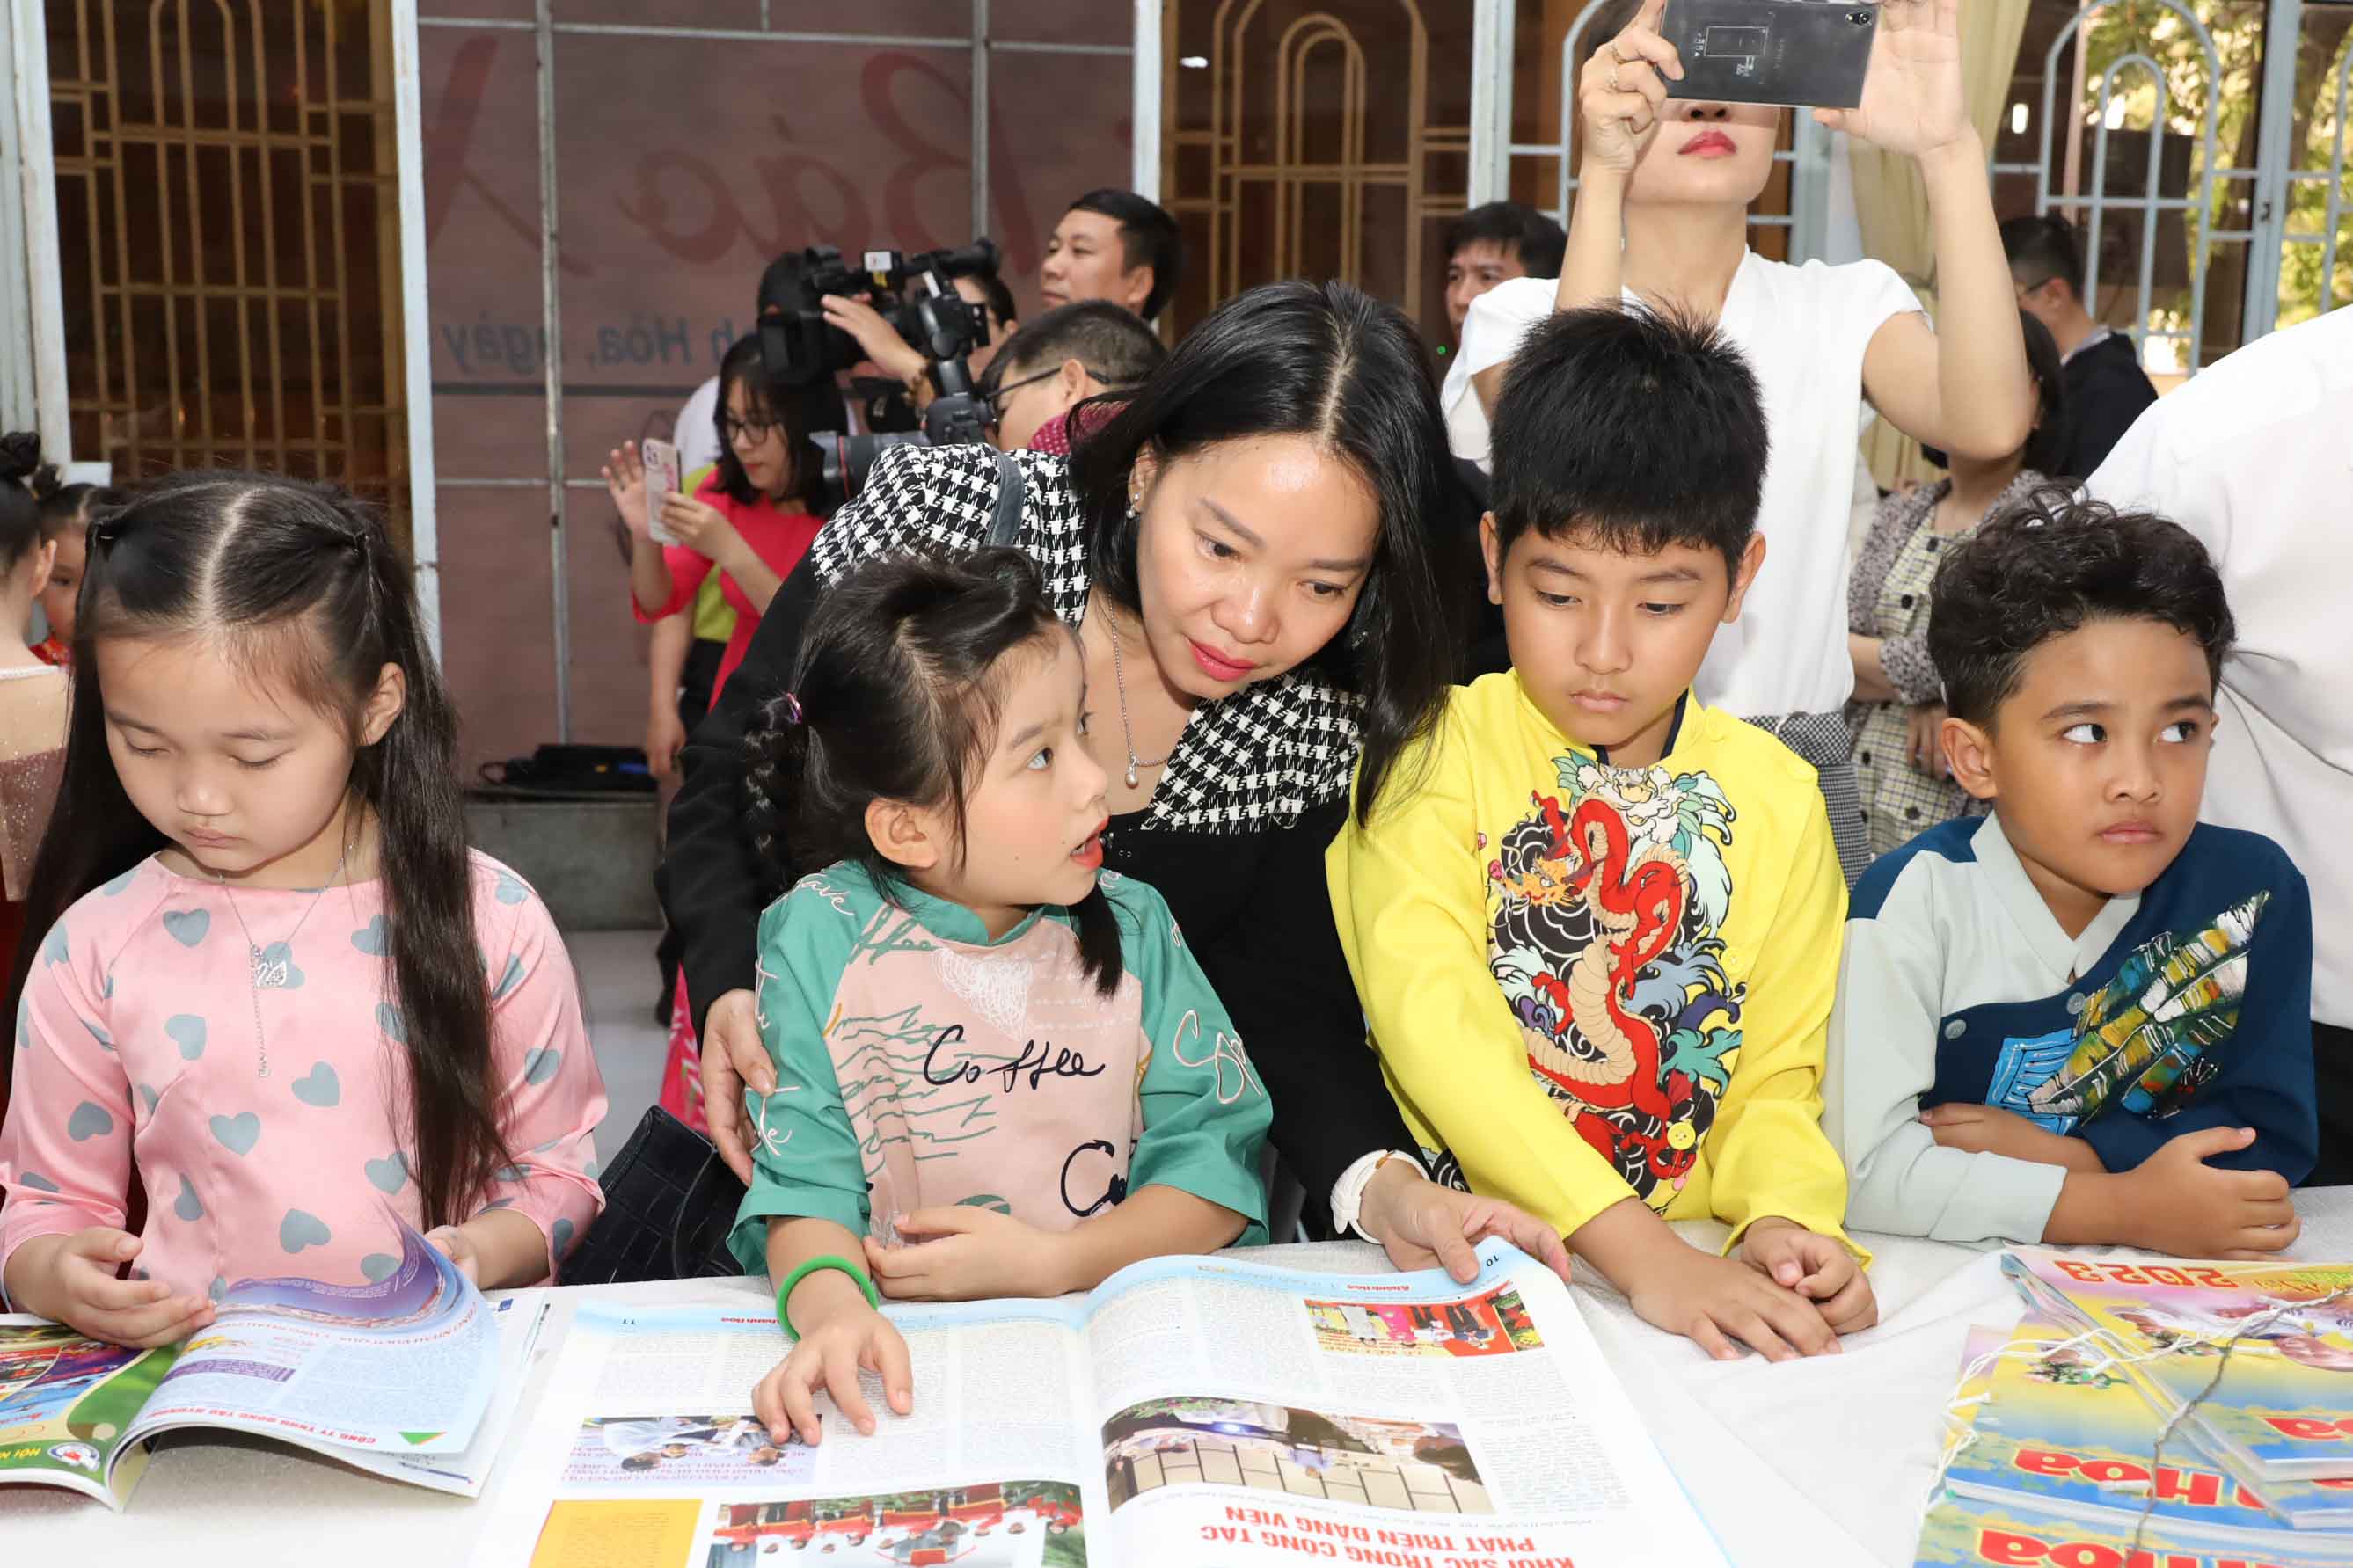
(2281, 1407)
(66, 1405)
(2064, 1431)
(1973, 1390)
(1973, 1533)
(413, 1377)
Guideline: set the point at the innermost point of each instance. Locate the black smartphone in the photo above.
(1807, 54)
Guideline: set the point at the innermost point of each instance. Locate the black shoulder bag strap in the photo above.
(1005, 524)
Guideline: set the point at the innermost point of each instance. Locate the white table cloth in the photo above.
(1822, 1462)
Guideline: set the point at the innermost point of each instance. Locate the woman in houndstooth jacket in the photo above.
(1252, 553)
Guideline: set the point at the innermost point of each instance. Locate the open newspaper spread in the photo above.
(1195, 1411)
(414, 1377)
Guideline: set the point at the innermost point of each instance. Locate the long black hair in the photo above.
(20, 514)
(1331, 363)
(743, 365)
(304, 576)
(896, 698)
(2046, 443)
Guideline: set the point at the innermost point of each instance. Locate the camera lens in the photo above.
(1859, 18)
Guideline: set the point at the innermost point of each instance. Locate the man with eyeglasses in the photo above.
(2106, 388)
(1057, 362)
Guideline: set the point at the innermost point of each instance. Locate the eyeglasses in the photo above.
(994, 401)
(754, 430)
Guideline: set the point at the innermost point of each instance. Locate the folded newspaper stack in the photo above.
(2173, 1415)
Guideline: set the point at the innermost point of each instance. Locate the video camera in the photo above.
(801, 349)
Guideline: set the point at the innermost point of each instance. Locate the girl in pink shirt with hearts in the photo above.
(278, 991)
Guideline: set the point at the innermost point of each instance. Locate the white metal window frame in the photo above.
(37, 301)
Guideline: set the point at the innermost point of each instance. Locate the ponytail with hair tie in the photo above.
(20, 455)
(20, 512)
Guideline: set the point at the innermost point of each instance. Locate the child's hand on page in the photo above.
(1817, 1266)
(965, 1254)
(459, 1249)
(1714, 1301)
(70, 1280)
(1422, 1224)
(829, 1357)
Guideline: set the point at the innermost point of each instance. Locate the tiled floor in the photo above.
(618, 983)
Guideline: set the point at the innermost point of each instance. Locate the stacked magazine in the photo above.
(2181, 1414)
(414, 1378)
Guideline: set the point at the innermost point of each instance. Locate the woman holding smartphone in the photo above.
(1662, 220)
(748, 521)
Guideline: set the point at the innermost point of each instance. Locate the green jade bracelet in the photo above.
(818, 1266)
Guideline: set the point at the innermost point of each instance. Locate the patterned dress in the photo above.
(265, 1093)
(1887, 598)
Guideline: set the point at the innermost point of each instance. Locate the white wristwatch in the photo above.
(1348, 1192)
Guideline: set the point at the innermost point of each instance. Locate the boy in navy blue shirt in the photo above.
(2084, 1018)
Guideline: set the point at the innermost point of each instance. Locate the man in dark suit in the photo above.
(2106, 388)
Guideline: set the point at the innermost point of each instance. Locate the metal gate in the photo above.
(2211, 188)
(226, 219)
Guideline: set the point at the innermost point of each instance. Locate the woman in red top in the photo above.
(747, 520)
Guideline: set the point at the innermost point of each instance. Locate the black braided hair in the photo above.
(896, 698)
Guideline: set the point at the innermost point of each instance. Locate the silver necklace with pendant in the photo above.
(265, 974)
(1127, 730)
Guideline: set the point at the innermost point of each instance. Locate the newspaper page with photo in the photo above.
(1252, 1415)
(1190, 1411)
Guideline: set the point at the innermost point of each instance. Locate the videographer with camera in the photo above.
(1243, 557)
(1056, 362)
(894, 356)
(914, 300)
(1117, 246)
